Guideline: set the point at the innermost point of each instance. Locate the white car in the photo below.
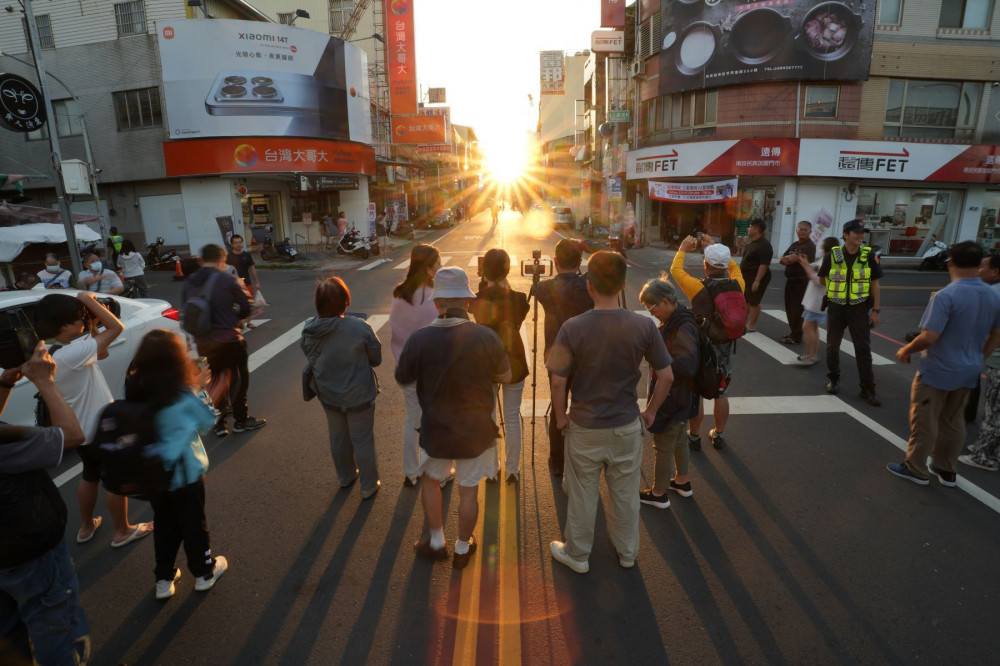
(139, 315)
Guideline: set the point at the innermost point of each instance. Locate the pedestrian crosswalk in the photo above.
(454, 259)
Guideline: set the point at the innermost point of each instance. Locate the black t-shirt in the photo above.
(849, 259)
(456, 365)
(563, 297)
(806, 247)
(757, 253)
(242, 262)
(504, 310)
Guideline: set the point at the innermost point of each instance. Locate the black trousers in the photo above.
(231, 356)
(180, 517)
(855, 319)
(795, 289)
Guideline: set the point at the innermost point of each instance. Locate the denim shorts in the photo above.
(818, 317)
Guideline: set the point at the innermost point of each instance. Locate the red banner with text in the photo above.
(401, 57)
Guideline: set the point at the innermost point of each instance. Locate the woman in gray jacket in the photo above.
(342, 352)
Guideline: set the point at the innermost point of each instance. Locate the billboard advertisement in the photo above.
(717, 192)
(246, 78)
(437, 96)
(612, 13)
(711, 44)
(198, 157)
(552, 71)
(418, 129)
(401, 57)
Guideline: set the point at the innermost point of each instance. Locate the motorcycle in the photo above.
(354, 243)
(935, 258)
(282, 250)
(403, 230)
(157, 261)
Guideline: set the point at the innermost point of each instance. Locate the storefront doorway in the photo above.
(989, 232)
(754, 203)
(905, 221)
(262, 211)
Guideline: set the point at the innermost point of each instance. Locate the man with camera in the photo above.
(561, 297)
(39, 591)
(603, 427)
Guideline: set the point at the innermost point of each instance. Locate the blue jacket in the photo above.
(179, 427)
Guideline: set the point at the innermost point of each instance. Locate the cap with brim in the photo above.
(717, 255)
(452, 282)
(854, 225)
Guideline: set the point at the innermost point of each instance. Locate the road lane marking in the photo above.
(847, 348)
(467, 620)
(508, 577)
(377, 321)
(68, 475)
(377, 262)
(257, 323)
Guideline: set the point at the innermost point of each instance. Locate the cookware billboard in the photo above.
(707, 44)
(246, 78)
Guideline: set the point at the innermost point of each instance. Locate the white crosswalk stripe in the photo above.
(405, 264)
(846, 345)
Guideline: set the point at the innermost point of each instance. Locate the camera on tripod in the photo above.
(536, 267)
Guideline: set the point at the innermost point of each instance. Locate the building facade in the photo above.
(894, 121)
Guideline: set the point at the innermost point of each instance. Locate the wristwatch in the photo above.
(876, 310)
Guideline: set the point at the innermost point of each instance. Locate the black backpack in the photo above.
(197, 318)
(711, 378)
(126, 431)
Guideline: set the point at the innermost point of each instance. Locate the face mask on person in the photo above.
(96, 267)
(52, 269)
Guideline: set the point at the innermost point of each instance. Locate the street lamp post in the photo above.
(74, 252)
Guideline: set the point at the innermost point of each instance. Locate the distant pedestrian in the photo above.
(562, 297)
(342, 223)
(796, 279)
(165, 378)
(985, 453)
(54, 276)
(756, 270)
(602, 350)
(41, 618)
(679, 331)
(341, 352)
(24, 282)
(224, 347)
(456, 365)
(721, 274)
(98, 278)
(813, 313)
(244, 264)
(851, 275)
(960, 326)
(115, 244)
(413, 308)
(503, 310)
(133, 267)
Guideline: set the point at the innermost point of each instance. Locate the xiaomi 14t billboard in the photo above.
(245, 78)
(713, 43)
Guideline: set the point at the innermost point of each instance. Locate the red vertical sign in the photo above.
(613, 14)
(401, 57)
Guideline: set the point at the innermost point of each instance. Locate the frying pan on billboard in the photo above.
(708, 43)
(245, 78)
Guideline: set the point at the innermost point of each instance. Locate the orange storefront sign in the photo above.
(418, 129)
(199, 157)
(401, 57)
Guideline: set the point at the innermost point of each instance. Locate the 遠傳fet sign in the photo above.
(21, 106)
(401, 57)
(607, 41)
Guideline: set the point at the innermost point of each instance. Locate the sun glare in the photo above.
(506, 159)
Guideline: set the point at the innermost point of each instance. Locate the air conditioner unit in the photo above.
(635, 70)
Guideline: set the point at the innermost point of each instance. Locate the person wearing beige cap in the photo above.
(456, 365)
(724, 275)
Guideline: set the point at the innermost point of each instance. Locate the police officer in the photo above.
(850, 275)
(115, 245)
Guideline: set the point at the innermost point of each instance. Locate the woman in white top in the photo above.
(413, 308)
(133, 267)
(812, 301)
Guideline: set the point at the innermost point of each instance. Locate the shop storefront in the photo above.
(908, 194)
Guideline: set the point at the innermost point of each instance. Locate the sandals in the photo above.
(97, 523)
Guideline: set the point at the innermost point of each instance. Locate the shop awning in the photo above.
(14, 239)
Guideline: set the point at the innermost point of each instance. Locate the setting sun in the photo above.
(506, 158)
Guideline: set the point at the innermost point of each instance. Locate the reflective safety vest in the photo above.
(849, 287)
(116, 242)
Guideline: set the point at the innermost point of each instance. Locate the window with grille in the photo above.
(890, 12)
(44, 25)
(655, 38)
(967, 14)
(932, 109)
(130, 18)
(285, 18)
(138, 109)
(68, 120)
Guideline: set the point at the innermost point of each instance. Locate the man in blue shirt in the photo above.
(960, 327)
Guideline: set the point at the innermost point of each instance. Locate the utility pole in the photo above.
(56, 156)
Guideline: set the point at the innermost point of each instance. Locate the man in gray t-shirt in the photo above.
(602, 349)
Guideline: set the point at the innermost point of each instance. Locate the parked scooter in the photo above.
(282, 251)
(157, 261)
(935, 258)
(403, 230)
(354, 243)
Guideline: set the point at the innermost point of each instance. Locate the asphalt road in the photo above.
(797, 546)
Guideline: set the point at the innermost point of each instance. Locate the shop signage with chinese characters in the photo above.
(618, 116)
(22, 108)
(418, 129)
(716, 192)
(614, 189)
(198, 157)
(438, 148)
(436, 96)
(607, 41)
(552, 70)
(612, 13)
(401, 57)
(886, 160)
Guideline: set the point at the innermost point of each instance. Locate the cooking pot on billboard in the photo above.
(759, 35)
(694, 47)
(829, 31)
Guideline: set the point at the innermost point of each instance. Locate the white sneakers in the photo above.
(165, 588)
(205, 583)
(558, 549)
